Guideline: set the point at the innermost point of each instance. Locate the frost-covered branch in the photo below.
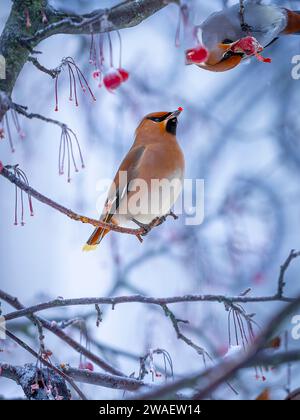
(124, 15)
(25, 376)
(208, 380)
(6, 173)
(46, 363)
(56, 330)
(57, 303)
(23, 31)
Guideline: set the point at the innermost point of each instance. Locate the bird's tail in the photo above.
(293, 25)
(95, 239)
(97, 236)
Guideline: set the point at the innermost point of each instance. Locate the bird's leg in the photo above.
(175, 217)
(162, 219)
(155, 222)
(245, 27)
(147, 227)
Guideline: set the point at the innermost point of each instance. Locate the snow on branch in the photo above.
(124, 15)
(205, 382)
(208, 380)
(54, 328)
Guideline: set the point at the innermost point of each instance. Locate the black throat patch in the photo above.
(171, 126)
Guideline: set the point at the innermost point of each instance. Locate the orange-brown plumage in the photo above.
(155, 154)
(293, 23)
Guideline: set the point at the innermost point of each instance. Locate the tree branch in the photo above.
(57, 303)
(223, 371)
(51, 72)
(53, 328)
(124, 15)
(69, 213)
(16, 373)
(45, 363)
(17, 40)
(104, 380)
(283, 269)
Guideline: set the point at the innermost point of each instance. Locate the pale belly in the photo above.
(146, 204)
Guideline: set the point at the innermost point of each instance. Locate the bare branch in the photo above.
(54, 328)
(124, 15)
(221, 372)
(175, 322)
(16, 373)
(31, 115)
(56, 303)
(283, 269)
(69, 213)
(51, 72)
(107, 381)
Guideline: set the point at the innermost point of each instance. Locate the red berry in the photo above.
(86, 366)
(89, 366)
(196, 55)
(124, 74)
(112, 80)
(96, 74)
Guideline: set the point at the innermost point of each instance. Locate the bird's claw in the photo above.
(156, 222)
(246, 28)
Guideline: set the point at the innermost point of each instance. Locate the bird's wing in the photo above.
(120, 185)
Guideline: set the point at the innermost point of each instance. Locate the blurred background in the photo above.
(240, 133)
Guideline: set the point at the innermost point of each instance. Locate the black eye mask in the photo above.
(159, 119)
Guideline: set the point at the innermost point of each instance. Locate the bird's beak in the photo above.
(175, 113)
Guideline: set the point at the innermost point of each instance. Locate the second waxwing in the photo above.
(266, 23)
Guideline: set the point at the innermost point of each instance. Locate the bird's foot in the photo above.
(246, 28)
(175, 217)
(146, 227)
(155, 222)
(162, 219)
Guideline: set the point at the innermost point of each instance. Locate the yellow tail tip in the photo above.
(87, 248)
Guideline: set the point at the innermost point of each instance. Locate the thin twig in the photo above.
(71, 214)
(283, 269)
(51, 72)
(207, 381)
(54, 328)
(45, 363)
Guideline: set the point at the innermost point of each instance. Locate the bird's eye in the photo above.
(156, 119)
(227, 55)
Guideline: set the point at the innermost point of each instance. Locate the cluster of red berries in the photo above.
(113, 77)
(198, 54)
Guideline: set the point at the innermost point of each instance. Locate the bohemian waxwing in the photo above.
(154, 156)
(264, 22)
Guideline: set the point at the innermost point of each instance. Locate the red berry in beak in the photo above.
(124, 74)
(196, 55)
(112, 80)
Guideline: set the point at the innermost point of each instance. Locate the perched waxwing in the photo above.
(136, 196)
(263, 22)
